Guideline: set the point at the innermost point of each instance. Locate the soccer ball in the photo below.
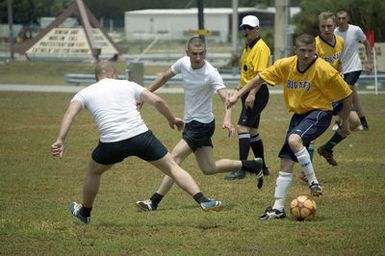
(303, 208)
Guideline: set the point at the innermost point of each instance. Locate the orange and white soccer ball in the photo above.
(303, 208)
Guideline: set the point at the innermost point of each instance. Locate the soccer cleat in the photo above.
(328, 155)
(75, 211)
(212, 205)
(259, 172)
(315, 189)
(271, 214)
(145, 205)
(236, 175)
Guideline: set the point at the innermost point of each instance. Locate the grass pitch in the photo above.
(35, 191)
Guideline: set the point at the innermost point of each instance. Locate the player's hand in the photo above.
(57, 149)
(229, 126)
(139, 105)
(249, 102)
(178, 123)
(232, 100)
(368, 67)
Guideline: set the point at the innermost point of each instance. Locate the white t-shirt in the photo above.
(353, 36)
(199, 87)
(112, 104)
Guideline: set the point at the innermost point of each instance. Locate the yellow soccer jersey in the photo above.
(315, 88)
(328, 52)
(254, 60)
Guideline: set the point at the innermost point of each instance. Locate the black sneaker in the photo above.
(315, 189)
(236, 175)
(266, 171)
(271, 214)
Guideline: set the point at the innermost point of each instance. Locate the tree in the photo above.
(364, 13)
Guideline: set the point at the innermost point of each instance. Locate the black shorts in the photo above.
(251, 117)
(197, 134)
(145, 146)
(352, 77)
(308, 126)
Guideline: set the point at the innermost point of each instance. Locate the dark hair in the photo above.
(195, 41)
(305, 38)
(343, 11)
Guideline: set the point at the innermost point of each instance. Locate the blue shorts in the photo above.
(352, 77)
(337, 107)
(145, 146)
(308, 126)
(251, 117)
(197, 134)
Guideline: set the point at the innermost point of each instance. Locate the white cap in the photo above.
(250, 20)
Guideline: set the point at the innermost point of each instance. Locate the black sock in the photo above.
(155, 200)
(363, 121)
(250, 166)
(257, 147)
(85, 212)
(244, 145)
(200, 198)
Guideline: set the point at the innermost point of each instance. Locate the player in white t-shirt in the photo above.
(351, 62)
(113, 105)
(201, 81)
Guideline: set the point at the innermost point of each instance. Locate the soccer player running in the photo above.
(310, 85)
(330, 47)
(351, 62)
(255, 58)
(200, 81)
(123, 133)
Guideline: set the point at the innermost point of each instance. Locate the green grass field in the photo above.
(35, 191)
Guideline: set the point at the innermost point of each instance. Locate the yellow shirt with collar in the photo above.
(314, 88)
(253, 60)
(328, 52)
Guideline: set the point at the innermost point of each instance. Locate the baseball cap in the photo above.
(250, 20)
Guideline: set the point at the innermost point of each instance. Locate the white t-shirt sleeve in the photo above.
(360, 35)
(217, 81)
(176, 68)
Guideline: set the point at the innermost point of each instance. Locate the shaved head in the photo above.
(105, 69)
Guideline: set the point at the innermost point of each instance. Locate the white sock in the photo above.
(281, 188)
(306, 165)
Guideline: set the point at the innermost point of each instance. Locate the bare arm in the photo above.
(162, 107)
(57, 148)
(368, 66)
(160, 80)
(255, 83)
(227, 124)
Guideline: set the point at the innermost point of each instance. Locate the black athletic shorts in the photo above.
(251, 117)
(308, 126)
(145, 146)
(197, 134)
(352, 77)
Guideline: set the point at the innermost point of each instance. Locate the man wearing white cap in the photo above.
(255, 58)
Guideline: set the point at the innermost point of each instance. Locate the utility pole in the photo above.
(281, 27)
(234, 28)
(201, 23)
(10, 24)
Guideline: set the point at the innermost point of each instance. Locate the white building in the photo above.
(180, 23)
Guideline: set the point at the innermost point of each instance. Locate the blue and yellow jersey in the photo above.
(328, 52)
(253, 60)
(315, 88)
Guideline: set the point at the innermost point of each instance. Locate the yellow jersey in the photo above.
(253, 60)
(315, 88)
(328, 52)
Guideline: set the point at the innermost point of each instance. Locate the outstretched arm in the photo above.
(227, 124)
(161, 80)
(255, 83)
(57, 148)
(163, 108)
